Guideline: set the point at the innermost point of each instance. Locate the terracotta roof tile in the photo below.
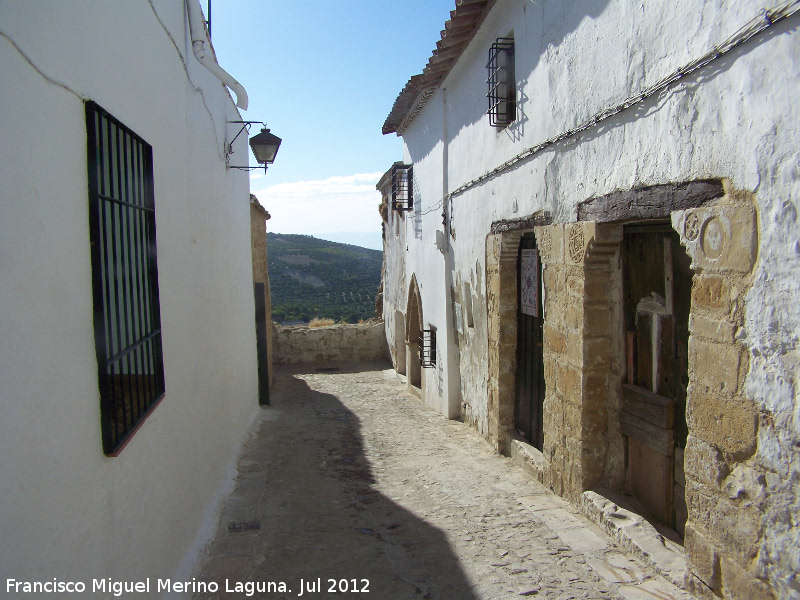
(455, 37)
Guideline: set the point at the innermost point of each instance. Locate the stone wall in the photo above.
(726, 487)
(579, 363)
(501, 300)
(258, 239)
(332, 344)
(726, 484)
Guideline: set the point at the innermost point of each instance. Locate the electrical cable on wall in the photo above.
(765, 19)
(195, 89)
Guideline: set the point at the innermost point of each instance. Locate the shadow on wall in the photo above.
(558, 20)
(417, 210)
(306, 480)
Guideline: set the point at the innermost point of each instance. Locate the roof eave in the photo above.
(456, 36)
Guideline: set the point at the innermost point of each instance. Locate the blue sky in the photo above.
(323, 75)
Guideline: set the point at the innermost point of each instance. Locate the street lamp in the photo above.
(264, 145)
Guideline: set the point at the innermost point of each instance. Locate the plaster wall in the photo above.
(68, 511)
(427, 254)
(735, 119)
(395, 290)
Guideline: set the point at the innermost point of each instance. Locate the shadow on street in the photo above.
(304, 513)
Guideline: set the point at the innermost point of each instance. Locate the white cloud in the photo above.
(342, 203)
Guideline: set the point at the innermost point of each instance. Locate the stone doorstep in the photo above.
(626, 527)
(528, 458)
(414, 391)
(610, 564)
(637, 536)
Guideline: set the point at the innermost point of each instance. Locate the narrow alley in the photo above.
(350, 484)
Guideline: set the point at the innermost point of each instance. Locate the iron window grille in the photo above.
(402, 187)
(427, 356)
(127, 322)
(502, 92)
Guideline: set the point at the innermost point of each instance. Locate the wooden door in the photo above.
(657, 288)
(530, 366)
(261, 343)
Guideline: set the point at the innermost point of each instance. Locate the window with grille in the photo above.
(427, 354)
(502, 92)
(127, 322)
(402, 187)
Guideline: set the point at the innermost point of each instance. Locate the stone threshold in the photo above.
(634, 533)
(403, 379)
(528, 458)
(629, 529)
(414, 391)
(612, 564)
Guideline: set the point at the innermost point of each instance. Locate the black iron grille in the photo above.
(127, 321)
(427, 356)
(502, 92)
(402, 187)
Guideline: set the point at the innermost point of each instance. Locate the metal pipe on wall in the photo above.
(200, 47)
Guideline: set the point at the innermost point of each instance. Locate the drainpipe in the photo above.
(202, 52)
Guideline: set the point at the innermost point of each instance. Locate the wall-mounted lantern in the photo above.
(264, 145)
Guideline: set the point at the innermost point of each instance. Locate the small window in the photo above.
(402, 187)
(122, 231)
(428, 351)
(502, 83)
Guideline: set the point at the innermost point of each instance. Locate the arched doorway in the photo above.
(413, 335)
(400, 342)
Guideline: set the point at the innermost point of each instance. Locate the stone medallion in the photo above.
(691, 228)
(713, 239)
(576, 243)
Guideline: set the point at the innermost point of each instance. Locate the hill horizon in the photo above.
(312, 278)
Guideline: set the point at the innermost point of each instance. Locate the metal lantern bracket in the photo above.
(229, 150)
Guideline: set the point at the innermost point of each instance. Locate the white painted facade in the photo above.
(67, 511)
(736, 119)
(395, 289)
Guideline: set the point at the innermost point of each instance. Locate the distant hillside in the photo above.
(309, 278)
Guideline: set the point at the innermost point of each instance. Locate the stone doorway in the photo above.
(400, 342)
(657, 284)
(530, 389)
(502, 296)
(413, 336)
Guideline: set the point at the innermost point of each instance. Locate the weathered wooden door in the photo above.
(657, 288)
(530, 366)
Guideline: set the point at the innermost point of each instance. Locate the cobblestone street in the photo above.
(346, 477)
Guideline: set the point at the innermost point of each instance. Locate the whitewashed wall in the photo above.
(66, 510)
(395, 290)
(428, 256)
(737, 119)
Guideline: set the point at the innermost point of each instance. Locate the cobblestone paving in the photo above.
(347, 479)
